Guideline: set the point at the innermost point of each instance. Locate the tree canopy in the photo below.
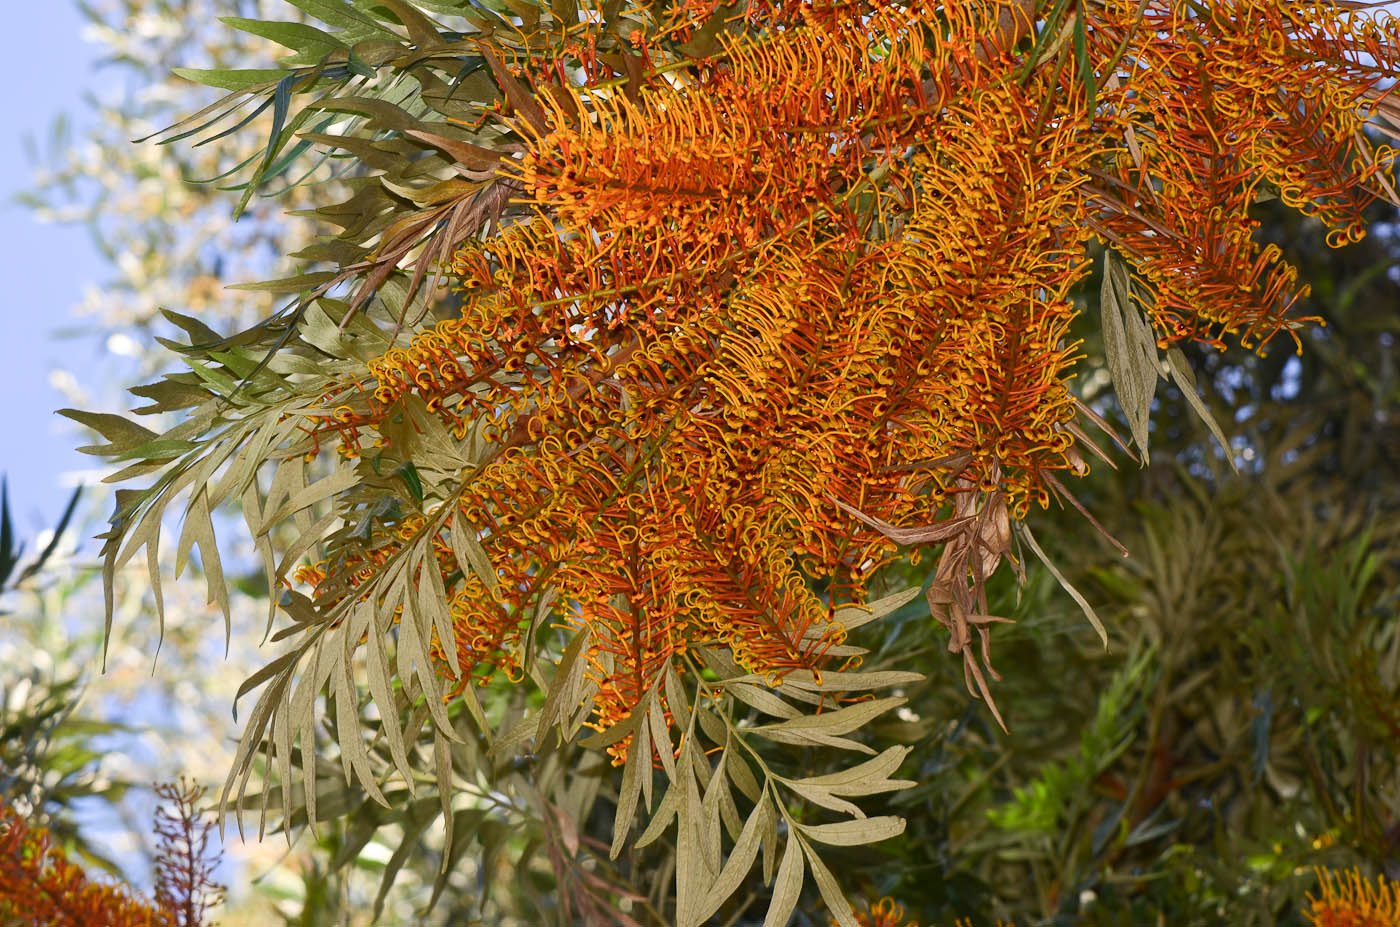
(746, 308)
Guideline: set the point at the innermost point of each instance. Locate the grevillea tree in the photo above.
(40, 886)
(653, 336)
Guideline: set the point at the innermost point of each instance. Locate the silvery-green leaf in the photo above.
(787, 886)
(1185, 379)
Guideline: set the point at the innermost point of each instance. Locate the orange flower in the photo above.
(1348, 900)
(883, 913)
(40, 887)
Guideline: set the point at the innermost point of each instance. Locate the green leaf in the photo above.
(787, 886)
(466, 547)
(661, 738)
(308, 496)
(201, 336)
(692, 873)
(849, 682)
(340, 13)
(1065, 584)
(855, 833)
(220, 382)
(1129, 348)
(569, 668)
(612, 735)
(736, 867)
(851, 617)
(407, 472)
(168, 395)
(249, 79)
(1185, 379)
(123, 433)
(675, 696)
(737, 768)
(299, 37)
(810, 738)
(1081, 57)
(160, 449)
(281, 132)
(1047, 32)
(665, 813)
(421, 29)
(199, 529)
(841, 721)
(830, 889)
(354, 755)
(382, 692)
(637, 766)
(280, 665)
(298, 283)
(824, 798)
(876, 768)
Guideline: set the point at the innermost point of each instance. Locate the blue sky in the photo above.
(46, 268)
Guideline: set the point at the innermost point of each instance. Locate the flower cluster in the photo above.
(1348, 900)
(772, 316)
(39, 886)
(1255, 92)
(883, 913)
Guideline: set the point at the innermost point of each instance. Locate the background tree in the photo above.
(1231, 746)
(40, 887)
(47, 764)
(440, 225)
(171, 241)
